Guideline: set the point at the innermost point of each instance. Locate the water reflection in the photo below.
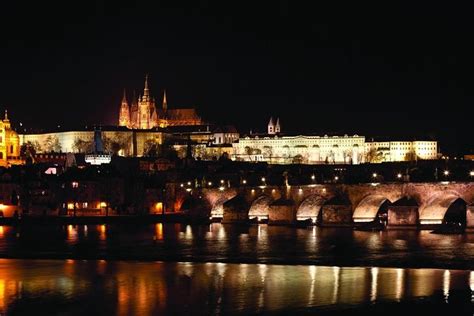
(124, 288)
(252, 244)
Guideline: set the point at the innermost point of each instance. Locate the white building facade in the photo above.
(300, 149)
(400, 151)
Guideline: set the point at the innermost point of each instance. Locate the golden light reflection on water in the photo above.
(374, 272)
(102, 232)
(159, 231)
(399, 284)
(210, 288)
(446, 279)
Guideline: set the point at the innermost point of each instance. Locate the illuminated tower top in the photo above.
(124, 114)
(146, 92)
(165, 104)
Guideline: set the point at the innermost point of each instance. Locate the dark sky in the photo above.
(374, 70)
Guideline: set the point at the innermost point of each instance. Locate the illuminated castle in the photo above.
(143, 113)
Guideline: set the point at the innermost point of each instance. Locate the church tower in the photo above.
(124, 115)
(271, 127)
(277, 126)
(146, 107)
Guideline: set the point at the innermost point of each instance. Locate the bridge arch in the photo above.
(442, 208)
(217, 210)
(310, 208)
(195, 207)
(260, 207)
(370, 207)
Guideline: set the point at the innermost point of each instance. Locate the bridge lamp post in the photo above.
(209, 183)
(446, 173)
(263, 181)
(399, 175)
(336, 178)
(471, 174)
(244, 181)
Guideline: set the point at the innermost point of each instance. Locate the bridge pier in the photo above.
(235, 210)
(282, 212)
(470, 218)
(336, 212)
(403, 214)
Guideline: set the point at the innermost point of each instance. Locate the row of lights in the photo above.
(313, 177)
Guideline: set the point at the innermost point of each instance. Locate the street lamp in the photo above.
(446, 172)
(313, 177)
(244, 181)
(336, 178)
(374, 175)
(471, 173)
(399, 175)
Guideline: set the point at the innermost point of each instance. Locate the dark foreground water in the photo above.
(222, 269)
(254, 244)
(86, 287)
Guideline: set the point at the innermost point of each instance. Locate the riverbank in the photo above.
(94, 220)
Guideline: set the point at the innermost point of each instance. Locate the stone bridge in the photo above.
(398, 204)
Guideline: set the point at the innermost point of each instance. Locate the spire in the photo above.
(6, 115)
(124, 99)
(145, 91)
(271, 122)
(271, 127)
(124, 114)
(277, 126)
(165, 104)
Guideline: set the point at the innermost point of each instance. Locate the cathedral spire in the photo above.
(165, 104)
(124, 114)
(6, 115)
(146, 90)
(124, 98)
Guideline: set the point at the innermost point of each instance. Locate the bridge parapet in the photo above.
(433, 199)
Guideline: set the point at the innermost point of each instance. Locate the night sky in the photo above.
(376, 70)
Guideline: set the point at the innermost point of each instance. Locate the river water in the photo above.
(223, 269)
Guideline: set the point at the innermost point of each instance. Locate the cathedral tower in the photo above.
(146, 108)
(124, 115)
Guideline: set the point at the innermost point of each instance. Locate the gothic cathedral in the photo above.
(143, 113)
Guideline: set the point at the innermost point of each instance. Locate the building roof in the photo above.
(226, 129)
(179, 114)
(188, 129)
